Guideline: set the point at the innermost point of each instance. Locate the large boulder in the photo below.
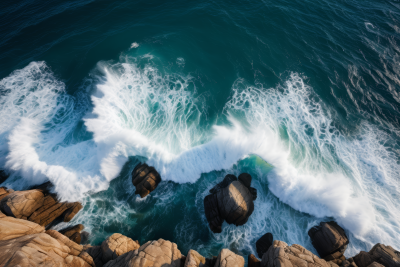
(194, 259)
(328, 238)
(11, 227)
(145, 179)
(21, 204)
(153, 253)
(227, 258)
(230, 200)
(385, 255)
(73, 232)
(38, 250)
(116, 245)
(263, 244)
(282, 255)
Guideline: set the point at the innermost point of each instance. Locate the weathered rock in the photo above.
(227, 258)
(5, 192)
(37, 250)
(153, 253)
(21, 204)
(375, 264)
(73, 232)
(116, 245)
(145, 179)
(11, 227)
(336, 257)
(75, 249)
(252, 261)
(263, 244)
(194, 259)
(282, 255)
(328, 238)
(385, 255)
(84, 237)
(230, 200)
(52, 209)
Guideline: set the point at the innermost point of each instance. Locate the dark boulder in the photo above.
(252, 261)
(263, 244)
(145, 179)
(328, 238)
(230, 200)
(73, 232)
(3, 176)
(379, 254)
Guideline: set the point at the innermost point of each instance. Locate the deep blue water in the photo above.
(303, 95)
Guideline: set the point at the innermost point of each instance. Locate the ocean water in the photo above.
(303, 95)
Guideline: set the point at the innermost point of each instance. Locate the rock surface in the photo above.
(194, 259)
(282, 255)
(252, 261)
(385, 255)
(145, 179)
(73, 232)
(21, 204)
(153, 253)
(5, 192)
(230, 200)
(11, 227)
(263, 244)
(116, 245)
(328, 238)
(227, 258)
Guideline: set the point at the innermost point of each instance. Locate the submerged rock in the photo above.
(3, 176)
(230, 200)
(328, 238)
(145, 179)
(263, 244)
(282, 255)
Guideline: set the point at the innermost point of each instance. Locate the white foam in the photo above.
(134, 45)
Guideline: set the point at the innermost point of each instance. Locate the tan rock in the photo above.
(194, 259)
(145, 179)
(73, 232)
(11, 227)
(21, 204)
(37, 250)
(153, 253)
(116, 245)
(282, 255)
(4, 192)
(227, 258)
(74, 248)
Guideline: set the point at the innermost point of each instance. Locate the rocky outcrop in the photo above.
(328, 238)
(336, 257)
(116, 245)
(153, 253)
(252, 261)
(145, 179)
(380, 254)
(263, 244)
(21, 204)
(230, 200)
(5, 192)
(73, 232)
(282, 255)
(227, 258)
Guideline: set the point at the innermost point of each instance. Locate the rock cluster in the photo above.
(145, 179)
(378, 255)
(73, 232)
(230, 200)
(37, 205)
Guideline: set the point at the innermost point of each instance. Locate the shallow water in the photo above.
(301, 95)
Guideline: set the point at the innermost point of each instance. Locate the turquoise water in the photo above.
(303, 95)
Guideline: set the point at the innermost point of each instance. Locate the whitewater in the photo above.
(129, 108)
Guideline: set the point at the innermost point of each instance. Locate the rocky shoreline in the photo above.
(26, 237)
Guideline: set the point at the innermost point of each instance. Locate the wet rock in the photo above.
(263, 244)
(227, 258)
(282, 255)
(84, 237)
(21, 204)
(230, 200)
(385, 255)
(116, 245)
(252, 261)
(194, 259)
(153, 253)
(328, 238)
(73, 232)
(38, 250)
(145, 179)
(3, 176)
(11, 227)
